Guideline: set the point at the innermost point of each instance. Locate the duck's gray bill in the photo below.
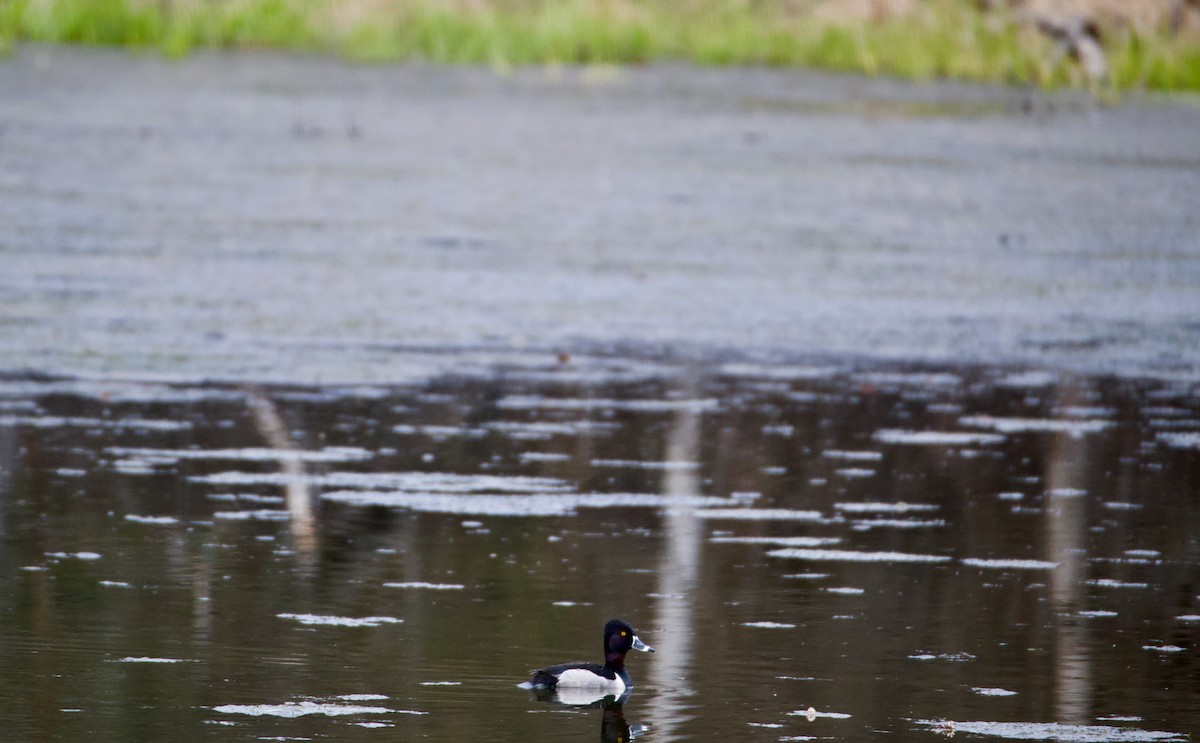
(639, 645)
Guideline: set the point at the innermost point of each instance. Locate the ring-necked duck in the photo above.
(619, 639)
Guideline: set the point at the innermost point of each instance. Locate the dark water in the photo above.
(892, 548)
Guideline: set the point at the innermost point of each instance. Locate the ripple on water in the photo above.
(1055, 731)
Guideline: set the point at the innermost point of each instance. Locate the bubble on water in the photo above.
(1009, 564)
(935, 438)
(992, 691)
(855, 556)
(769, 625)
(1055, 731)
(318, 620)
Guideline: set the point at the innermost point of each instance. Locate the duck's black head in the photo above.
(619, 639)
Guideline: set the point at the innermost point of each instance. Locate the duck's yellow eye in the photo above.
(623, 633)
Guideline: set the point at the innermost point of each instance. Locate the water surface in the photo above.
(908, 552)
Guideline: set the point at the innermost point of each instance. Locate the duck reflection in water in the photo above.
(613, 727)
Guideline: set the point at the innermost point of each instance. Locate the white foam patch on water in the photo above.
(853, 456)
(54, 421)
(420, 482)
(1066, 493)
(1164, 648)
(263, 514)
(759, 514)
(854, 472)
(869, 524)
(769, 625)
(807, 576)
(163, 520)
(1120, 718)
(249, 454)
(845, 591)
(1009, 564)
(74, 555)
(115, 584)
(1055, 731)
(1143, 553)
(1029, 379)
(936, 438)
(317, 620)
(992, 691)
(441, 683)
(361, 697)
(786, 373)
(372, 725)
(146, 659)
(438, 432)
(632, 464)
(70, 472)
(1181, 440)
(531, 504)
(542, 456)
(1095, 613)
(765, 724)
(855, 556)
(1188, 618)
(538, 402)
(812, 714)
(951, 657)
(885, 507)
(779, 541)
(570, 603)
(779, 429)
(300, 709)
(1110, 583)
(1071, 426)
(428, 586)
(1011, 496)
(33, 568)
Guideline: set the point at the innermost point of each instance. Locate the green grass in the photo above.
(944, 39)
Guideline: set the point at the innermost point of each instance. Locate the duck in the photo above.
(612, 678)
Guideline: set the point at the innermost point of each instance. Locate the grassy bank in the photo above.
(927, 39)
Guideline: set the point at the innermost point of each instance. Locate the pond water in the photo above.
(830, 553)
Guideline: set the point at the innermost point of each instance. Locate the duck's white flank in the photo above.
(577, 678)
